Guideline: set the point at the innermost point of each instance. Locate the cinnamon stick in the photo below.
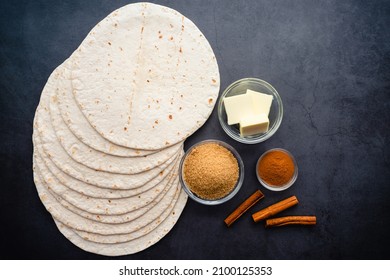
(291, 220)
(240, 210)
(275, 208)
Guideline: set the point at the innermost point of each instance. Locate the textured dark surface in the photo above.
(330, 62)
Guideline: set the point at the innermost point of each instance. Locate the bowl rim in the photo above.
(262, 137)
(289, 183)
(236, 188)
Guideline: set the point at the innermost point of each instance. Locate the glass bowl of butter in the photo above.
(250, 110)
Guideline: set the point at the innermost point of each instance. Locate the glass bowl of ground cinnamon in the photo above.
(277, 169)
(211, 172)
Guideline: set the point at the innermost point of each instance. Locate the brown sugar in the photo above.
(210, 171)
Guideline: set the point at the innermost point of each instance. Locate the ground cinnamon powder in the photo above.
(210, 171)
(276, 168)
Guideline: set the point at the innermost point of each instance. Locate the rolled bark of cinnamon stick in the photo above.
(248, 203)
(291, 220)
(275, 208)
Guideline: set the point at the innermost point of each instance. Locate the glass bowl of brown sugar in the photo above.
(277, 169)
(211, 172)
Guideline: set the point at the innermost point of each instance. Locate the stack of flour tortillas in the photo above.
(110, 126)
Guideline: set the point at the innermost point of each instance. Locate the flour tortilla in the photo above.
(102, 206)
(147, 69)
(115, 219)
(77, 222)
(78, 124)
(48, 145)
(132, 246)
(92, 158)
(120, 238)
(98, 192)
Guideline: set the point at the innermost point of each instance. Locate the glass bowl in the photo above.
(275, 115)
(289, 183)
(236, 188)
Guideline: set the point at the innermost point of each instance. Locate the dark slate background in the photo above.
(330, 62)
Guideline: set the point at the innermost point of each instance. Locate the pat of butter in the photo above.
(245, 105)
(238, 107)
(261, 102)
(254, 124)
